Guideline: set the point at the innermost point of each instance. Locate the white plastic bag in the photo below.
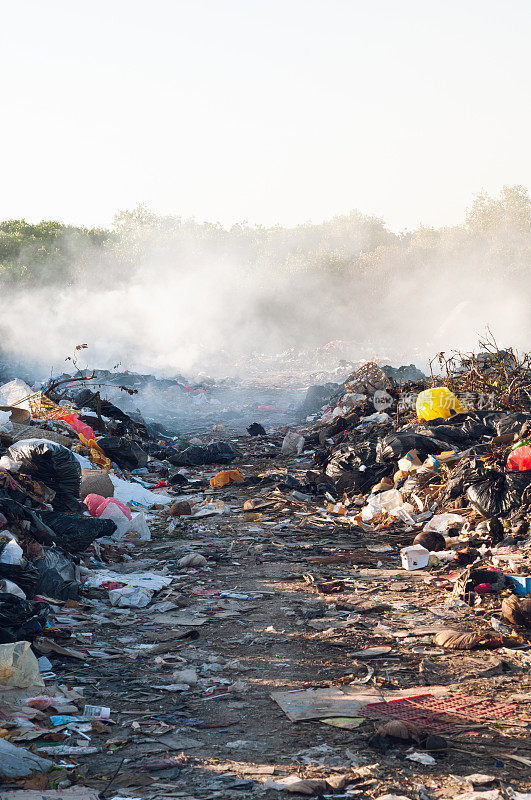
(384, 501)
(11, 588)
(130, 596)
(6, 426)
(11, 552)
(293, 443)
(441, 522)
(13, 392)
(136, 530)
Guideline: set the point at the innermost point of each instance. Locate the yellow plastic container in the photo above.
(438, 402)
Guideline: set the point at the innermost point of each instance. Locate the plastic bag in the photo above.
(21, 619)
(293, 443)
(130, 597)
(134, 530)
(498, 493)
(438, 403)
(8, 587)
(123, 452)
(225, 478)
(17, 762)
(13, 392)
(54, 465)
(10, 551)
(396, 445)
(18, 666)
(511, 423)
(75, 532)
(79, 427)
(389, 501)
(97, 504)
(443, 522)
(520, 459)
(6, 426)
(52, 584)
(194, 456)
(25, 576)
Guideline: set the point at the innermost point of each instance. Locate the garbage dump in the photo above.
(174, 606)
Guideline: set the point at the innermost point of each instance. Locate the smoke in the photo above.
(171, 297)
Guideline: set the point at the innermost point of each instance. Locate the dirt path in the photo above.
(261, 627)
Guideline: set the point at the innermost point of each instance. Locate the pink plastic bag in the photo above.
(96, 505)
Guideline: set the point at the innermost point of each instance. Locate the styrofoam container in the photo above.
(414, 557)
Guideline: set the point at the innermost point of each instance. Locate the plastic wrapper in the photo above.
(54, 465)
(21, 620)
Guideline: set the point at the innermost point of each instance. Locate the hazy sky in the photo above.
(264, 110)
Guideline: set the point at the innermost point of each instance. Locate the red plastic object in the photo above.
(439, 713)
(96, 505)
(520, 459)
(79, 427)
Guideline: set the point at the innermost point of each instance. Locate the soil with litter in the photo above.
(296, 591)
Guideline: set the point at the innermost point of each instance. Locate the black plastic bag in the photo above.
(52, 584)
(317, 396)
(396, 445)
(352, 466)
(194, 456)
(75, 532)
(123, 452)
(498, 493)
(21, 620)
(255, 429)
(25, 575)
(511, 423)
(54, 465)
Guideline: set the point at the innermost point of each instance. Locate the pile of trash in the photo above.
(455, 476)
(120, 543)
